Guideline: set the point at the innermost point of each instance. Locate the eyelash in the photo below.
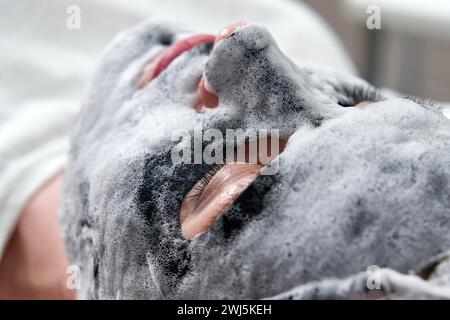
(421, 101)
(355, 95)
(198, 188)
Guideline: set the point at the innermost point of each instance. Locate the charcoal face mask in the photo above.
(355, 187)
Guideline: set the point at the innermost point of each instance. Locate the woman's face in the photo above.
(349, 191)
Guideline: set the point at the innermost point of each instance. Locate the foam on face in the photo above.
(355, 187)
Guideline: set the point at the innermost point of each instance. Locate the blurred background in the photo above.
(411, 51)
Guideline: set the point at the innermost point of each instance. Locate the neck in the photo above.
(34, 264)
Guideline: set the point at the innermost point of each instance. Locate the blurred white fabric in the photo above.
(45, 67)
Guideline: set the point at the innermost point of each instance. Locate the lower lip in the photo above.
(178, 48)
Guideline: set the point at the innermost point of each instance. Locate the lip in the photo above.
(163, 60)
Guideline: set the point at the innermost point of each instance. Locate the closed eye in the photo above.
(421, 101)
(221, 186)
(359, 95)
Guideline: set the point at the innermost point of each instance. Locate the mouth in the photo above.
(207, 98)
(220, 187)
(164, 59)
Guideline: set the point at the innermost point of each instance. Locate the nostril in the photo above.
(229, 30)
(166, 39)
(207, 97)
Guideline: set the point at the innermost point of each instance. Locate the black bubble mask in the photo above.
(355, 187)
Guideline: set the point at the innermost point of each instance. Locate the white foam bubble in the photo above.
(355, 187)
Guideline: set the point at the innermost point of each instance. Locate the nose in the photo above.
(207, 97)
(225, 32)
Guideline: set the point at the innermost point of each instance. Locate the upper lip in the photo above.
(180, 47)
(163, 60)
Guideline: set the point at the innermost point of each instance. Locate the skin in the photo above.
(32, 269)
(127, 224)
(34, 263)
